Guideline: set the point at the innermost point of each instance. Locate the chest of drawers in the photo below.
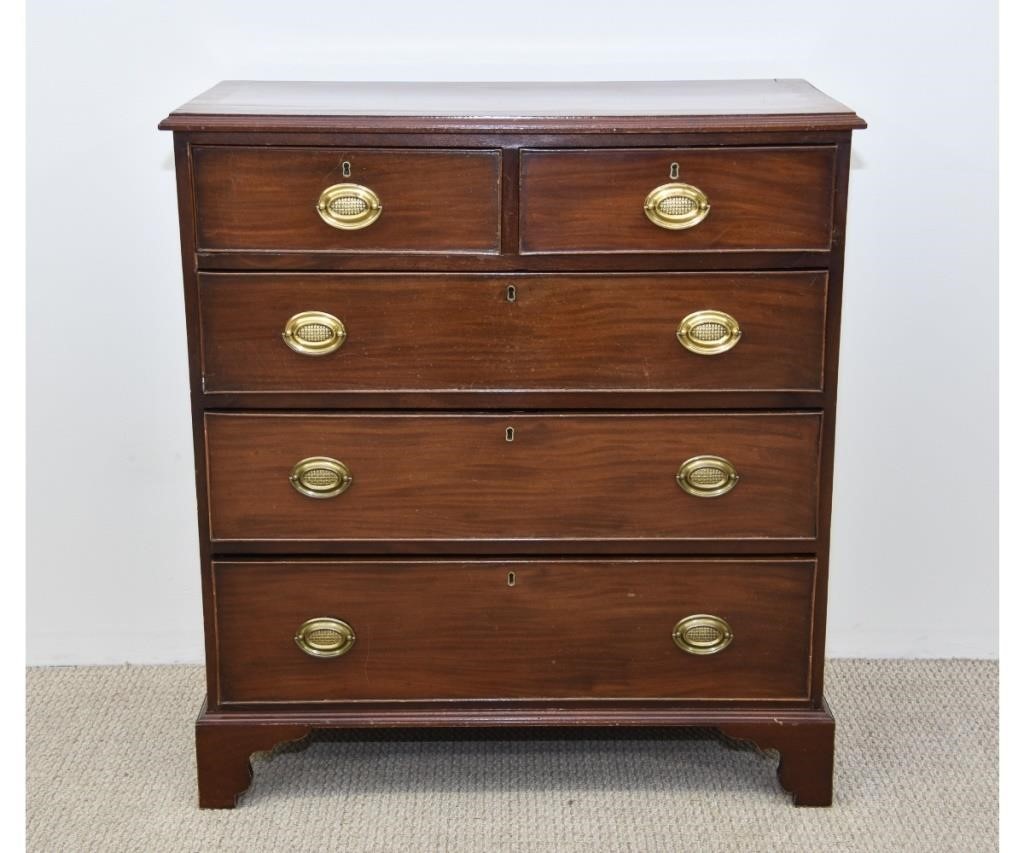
(513, 405)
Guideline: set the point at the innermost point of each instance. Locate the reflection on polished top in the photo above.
(517, 100)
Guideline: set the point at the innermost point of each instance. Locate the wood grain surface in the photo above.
(265, 198)
(578, 201)
(563, 477)
(457, 630)
(552, 333)
(513, 99)
(583, 107)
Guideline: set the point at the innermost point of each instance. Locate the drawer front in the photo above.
(515, 476)
(757, 199)
(513, 629)
(267, 198)
(549, 332)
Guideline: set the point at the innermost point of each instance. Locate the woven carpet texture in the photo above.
(111, 768)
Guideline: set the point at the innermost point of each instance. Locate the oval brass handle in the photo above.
(314, 333)
(709, 332)
(707, 476)
(702, 634)
(325, 637)
(676, 206)
(349, 206)
(320, 477)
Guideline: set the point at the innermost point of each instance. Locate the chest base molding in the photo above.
(803, 737)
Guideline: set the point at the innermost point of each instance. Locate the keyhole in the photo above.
(673, 171)
(510, 434)
(511, 578)
(346, 169)
(510, 293)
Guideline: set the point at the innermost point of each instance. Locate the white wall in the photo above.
(112, 569)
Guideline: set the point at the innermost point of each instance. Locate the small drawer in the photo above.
(677, 200)
(580, 332)
(347, 200)
(304, 631)
(507, 480)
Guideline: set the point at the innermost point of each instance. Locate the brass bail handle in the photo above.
(325, 637)
(349, 207)
(709, 332)
(702, 634)
(676, 206)
(707, 476)
(320, 477)
(314, 333)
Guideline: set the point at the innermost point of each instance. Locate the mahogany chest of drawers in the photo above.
(513, 405)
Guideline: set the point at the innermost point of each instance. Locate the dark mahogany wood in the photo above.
(587, 201)
(284, 261)
(539, 185)
(223, 753)
(265, 198)
(803, 738)
(186, 221)
(516, 399)
(806, 750)
(638, 106)
(498, 546)
(832, 333)
(570, 477)
(438, 137)
(632, 125)
(513, 629)
(477, 333)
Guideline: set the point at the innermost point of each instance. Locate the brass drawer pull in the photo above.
(349, 206)
(707, 476)
(320, 477)
(709, 332)
(676, 206)
(702, 634)
(325, 637)
(314, 333)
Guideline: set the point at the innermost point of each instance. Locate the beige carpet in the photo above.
(110, 767)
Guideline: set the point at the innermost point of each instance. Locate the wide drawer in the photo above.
(659, 331)
(522, 477)
(422, 200)
(513, 629)
(722, 199)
